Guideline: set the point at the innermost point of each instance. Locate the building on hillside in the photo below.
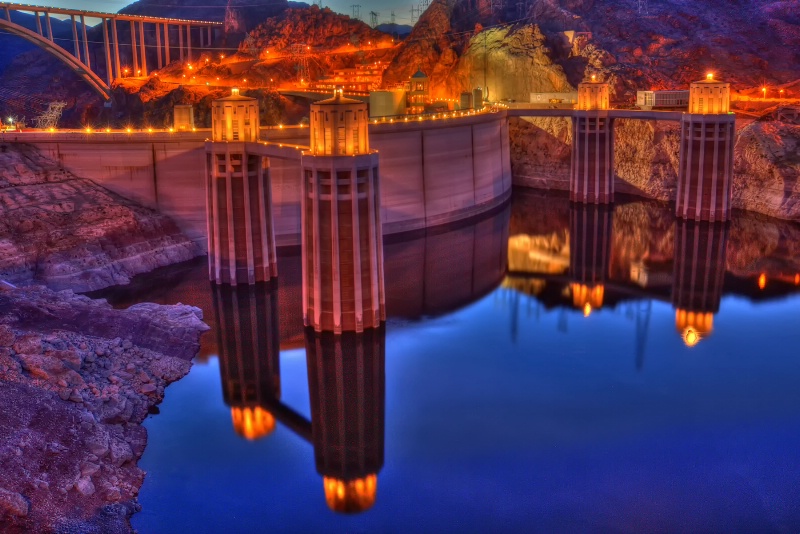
(648, 100)
(418, 92)
(361, 78)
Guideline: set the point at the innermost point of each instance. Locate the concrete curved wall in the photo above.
(431, 172)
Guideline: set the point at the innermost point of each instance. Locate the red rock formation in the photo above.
(73, 402)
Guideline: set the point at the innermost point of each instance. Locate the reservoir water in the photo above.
(546, 367)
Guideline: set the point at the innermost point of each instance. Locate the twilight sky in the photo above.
(402, 8)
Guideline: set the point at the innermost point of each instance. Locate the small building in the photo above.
(418, 92)
(554, 98)
(709, 96)
(183, 117)
(593, 95)
(387, 103)
(235, 118)
(647, 100)
(477, 98)
(465, 100)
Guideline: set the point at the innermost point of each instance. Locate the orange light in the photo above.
(710, 76)
(797, 279)
(587, 310)
(128, 130)
(762, 281)
(693, 326)
(252, 423)
(350, 496)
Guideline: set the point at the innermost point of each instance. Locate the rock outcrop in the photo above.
(67, 232)
(646, 160)
(767, 169)
(74, 396)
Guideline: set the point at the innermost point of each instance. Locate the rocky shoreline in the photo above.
(77, 378)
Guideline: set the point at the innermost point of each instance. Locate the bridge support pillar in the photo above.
(698, 276)
(166, 44)
(346, 385)
(706, 167)
(107, 49)
(87, 59)
(592, 166)
(189, 42)
(159, 54)
(180, 40)
(134, 53)
(142, 50)
(590, 227)
(115, 36)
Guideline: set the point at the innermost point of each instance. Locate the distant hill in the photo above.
(401, 30)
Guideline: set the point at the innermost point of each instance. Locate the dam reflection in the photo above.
(429, 274)
(570, 256)
(346, 387)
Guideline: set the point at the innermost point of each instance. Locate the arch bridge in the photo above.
(168, 33)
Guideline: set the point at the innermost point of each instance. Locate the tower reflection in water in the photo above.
(346, 384)
(583, 261)
(699, 274)
(249, 354)
(590, 253)
(346, 387)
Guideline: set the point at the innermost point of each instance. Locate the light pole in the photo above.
(764, 90)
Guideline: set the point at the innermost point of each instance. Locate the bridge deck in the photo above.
(100, 14)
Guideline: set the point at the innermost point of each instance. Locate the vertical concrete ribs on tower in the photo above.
(241, 235)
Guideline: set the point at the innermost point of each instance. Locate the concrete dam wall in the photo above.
(431, 172)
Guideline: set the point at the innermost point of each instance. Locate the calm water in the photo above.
(543, 369)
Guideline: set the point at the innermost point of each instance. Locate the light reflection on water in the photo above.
(508, 407)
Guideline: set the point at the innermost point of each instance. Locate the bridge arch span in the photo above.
(77, 66)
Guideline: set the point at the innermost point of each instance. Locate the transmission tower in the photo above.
(356, 11)
(423, 5)
(414, 14)
(642, 5)
(50, 117)
(299, 53)
(373, 18)
(392, 17)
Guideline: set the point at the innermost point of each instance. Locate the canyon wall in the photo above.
(646, 154)
(67, 232)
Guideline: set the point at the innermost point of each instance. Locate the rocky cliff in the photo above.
(509, 62)
(552, 45)
(766, 162)
(77, 378)
(67, 232)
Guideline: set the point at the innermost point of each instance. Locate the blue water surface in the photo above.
(505, 416)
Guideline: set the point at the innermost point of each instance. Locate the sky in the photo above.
(402, 9)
